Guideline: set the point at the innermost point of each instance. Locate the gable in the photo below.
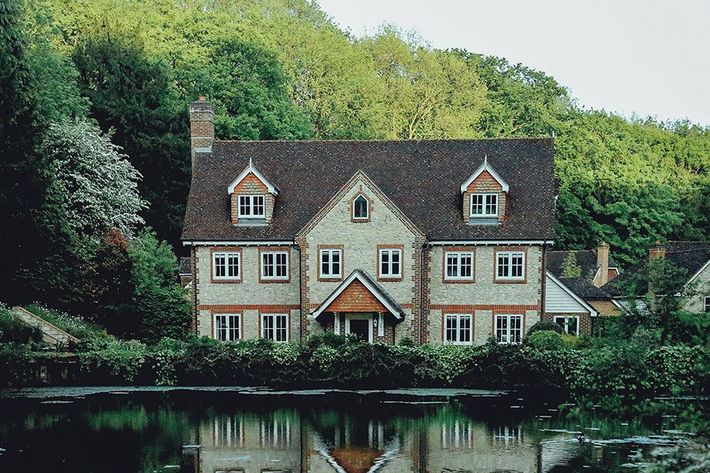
(251, 176)
(485, 182)
(559, 299)
(355, 298)
(338, 212)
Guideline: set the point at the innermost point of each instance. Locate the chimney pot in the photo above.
(657, 251)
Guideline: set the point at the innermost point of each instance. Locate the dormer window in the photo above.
(251, 206)
(484, 205)
(484, 196)
(252, 198)
(361, 208)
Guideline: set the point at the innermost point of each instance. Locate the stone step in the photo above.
(50, 332)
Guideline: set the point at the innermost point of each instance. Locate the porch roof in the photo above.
(360, 279)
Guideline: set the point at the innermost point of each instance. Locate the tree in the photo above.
(107, 297)
(161, 304)
(570, 267)
(32, 232)
(132, 95)
(655, 297)
(429, 94)
(95, 183)
(249, 91)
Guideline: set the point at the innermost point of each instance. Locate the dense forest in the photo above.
(117, 76)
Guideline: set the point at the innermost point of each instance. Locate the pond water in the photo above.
(229, 431)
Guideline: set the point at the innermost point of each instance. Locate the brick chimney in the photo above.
(602, 264)
(201, 127)
(657, 251)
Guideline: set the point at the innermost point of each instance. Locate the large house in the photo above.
(434, 241)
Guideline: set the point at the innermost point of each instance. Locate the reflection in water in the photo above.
(196, 436)
(327, 441)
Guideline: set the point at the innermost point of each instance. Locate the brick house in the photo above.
(435, 241)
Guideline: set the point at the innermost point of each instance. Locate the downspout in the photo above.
(423, 279)
(543, 280)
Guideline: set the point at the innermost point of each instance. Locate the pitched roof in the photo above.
(371, 285)
(689, 255)
(422, 178)
(585, 289)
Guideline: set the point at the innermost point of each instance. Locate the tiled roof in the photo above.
(422, 178)
(689, 255)
(585, 289)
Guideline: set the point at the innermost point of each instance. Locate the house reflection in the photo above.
(284, 441)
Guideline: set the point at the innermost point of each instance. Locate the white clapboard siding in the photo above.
(559, 301)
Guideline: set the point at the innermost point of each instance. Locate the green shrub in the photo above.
(545, 340)
(73, 325)
(544, 325)
(14, 330)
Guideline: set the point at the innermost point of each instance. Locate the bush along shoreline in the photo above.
(615, 377)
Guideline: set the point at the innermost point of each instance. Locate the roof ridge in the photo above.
(441, 140)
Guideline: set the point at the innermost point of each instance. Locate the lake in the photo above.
(246, 430)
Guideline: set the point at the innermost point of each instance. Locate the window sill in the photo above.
(225, 280)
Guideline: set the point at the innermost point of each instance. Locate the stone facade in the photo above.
(360, 243)
(483, 297)
(247, 296)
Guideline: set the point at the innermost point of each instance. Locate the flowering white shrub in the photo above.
(93, 181)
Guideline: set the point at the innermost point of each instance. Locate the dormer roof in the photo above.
(485, 167)
(251, 169)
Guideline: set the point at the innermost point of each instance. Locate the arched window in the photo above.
(361, 208)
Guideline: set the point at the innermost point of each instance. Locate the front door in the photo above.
(360, 328)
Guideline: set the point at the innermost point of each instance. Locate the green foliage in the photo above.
(13, 330)
(570, 267)
(546, 325)
(73, 325)
(133, 95)
(248, 90)
(545, 340)
(161, 304)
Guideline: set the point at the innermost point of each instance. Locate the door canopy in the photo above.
(359, 293)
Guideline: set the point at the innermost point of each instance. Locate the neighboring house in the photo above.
(574, 301)
(435, 241)
(692, 256)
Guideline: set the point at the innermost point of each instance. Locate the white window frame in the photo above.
(236, 255)
(273, 277)
(389, 274)
(565, 324)
(487, 199)
(367, 208)
(706, 304)
(458, 265)
(510, 255)
(458, 329)
(508, 337)
(251, 205)
(230, 326)
(273, 329)
(330, 251)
